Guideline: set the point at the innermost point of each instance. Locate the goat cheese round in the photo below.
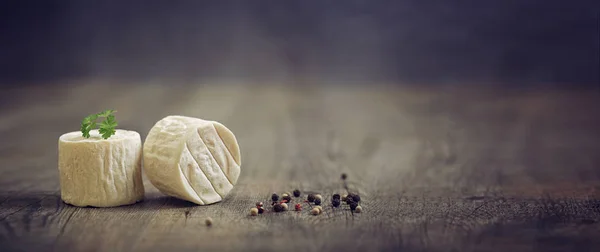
(100, 172)
(192, 159)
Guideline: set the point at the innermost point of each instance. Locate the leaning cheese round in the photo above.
(100, 172)
(192, 159)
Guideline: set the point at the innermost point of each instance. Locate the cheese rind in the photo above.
(100, 172)
(186, 157)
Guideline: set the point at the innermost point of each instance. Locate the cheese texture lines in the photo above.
(192, 159)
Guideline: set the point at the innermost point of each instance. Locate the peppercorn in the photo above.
(335, 196)
(353, 206)
(287, 198)
(278, 208)
(208, 221)
(311, 198)
(358, 209)
(261, 210)
(318, 196)
(353, 197)
(315, 211)
(284, 194)
(275, 197)
(317, 201)
(298, 207)
(344, 176)
(349, 200)
(320, 208)
(285, 206)
(259, 204)
(254, 211)
(344, 197)
(335, 202)
(356, 198)
(296, 193)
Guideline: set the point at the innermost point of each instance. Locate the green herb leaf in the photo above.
(107, 127)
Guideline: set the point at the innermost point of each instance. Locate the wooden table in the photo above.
(439, 168)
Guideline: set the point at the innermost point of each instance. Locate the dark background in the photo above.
(496, 151)
(526, 42)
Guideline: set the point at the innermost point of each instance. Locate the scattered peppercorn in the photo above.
(349, 200)
(283, 195)
(261, 210)
(315, 211)
(275, 197)
(353, 206)
(284, 201)
(254, 211)
(335, 196)
(296, 193)
(318, 196)
(317, 201)
(320, 208)
(285, 206)
(311, 198)
(335, 202)
(278, 208)
(208, 221)
(287, 198)
(259, 204)
(344, 197)
(298, 207)
(358, 209)
(344, 176)
(356, 198)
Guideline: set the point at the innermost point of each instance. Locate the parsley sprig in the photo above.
(107, 127)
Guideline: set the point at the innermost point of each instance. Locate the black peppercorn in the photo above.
(261, 210)
(317, 201)
(296, 193)
(311, 198)
(356, 198)
(278, 208)
(353, 206)
(335, 202)
(344, 176)
(259, 204)
(349, 200)
(275, 197)
(287, 198)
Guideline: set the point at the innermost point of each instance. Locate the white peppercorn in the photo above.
(254, 211)
(315, 211)
(285, 206)
(358, 209)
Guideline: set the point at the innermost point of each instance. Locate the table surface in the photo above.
(438, 168)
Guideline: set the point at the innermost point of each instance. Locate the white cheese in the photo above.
(100, 172)
(192, 159)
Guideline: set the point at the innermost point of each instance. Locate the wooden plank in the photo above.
(437, 169)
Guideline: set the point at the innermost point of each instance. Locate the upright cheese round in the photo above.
(192, 159)
(100, 172)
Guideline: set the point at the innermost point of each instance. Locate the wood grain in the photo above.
(438, 168)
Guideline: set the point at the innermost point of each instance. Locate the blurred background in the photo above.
(525, 42)
(460, 98)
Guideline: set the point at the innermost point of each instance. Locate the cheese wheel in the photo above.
(100, 172)
(192, 159)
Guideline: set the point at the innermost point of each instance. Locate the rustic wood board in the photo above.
(438, 168)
